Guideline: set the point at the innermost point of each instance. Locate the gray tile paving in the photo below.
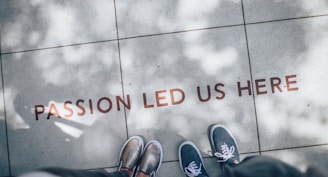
(77, 88)
(163, 79)
(290, 52)
(267, 10)
(39, 24)
(153, 67)
(153, 17)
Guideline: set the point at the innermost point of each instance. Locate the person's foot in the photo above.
(191, 161)
(130, 154)
(151, 159)
(224, 145)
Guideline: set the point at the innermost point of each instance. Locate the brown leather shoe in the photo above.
(131, 153)
(151, 159)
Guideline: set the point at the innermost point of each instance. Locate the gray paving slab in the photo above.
(80, 84)
(302, 158)
(289, 67)
(153, 17)
(267, 10)
(39, 24)
(175, 85)
(4, 167)
(161, 74)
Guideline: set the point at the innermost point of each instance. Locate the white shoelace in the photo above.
(227, 153)
(193, 170)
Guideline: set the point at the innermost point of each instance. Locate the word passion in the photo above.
(174, 96)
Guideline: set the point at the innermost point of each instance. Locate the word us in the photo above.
(163, 98)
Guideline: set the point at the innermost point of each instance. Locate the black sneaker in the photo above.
(191, 161)
(151, 159)
(131, 153)
(224, 145)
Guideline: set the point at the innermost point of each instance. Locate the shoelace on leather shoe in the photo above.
(193, 170)
(227, 153)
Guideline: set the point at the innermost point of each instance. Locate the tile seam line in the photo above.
(159, 34)
(57, 47)
(252, 84)
(4, 112)
(296, 147)
(177, 32)
(121, 69)
(286, 19)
